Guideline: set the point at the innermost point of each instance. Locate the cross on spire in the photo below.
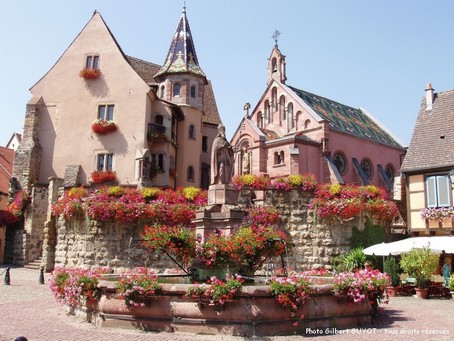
(275, 36)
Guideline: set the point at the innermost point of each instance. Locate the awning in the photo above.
(436, 243)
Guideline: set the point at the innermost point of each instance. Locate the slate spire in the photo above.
(182, 57)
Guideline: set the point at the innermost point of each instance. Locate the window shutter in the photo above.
(431, 192)
(443, 191)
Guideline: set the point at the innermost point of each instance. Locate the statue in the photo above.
(246, 161)
(221, 159)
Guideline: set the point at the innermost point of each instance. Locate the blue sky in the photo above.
(378, 55)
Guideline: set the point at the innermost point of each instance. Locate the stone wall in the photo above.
(312, 244)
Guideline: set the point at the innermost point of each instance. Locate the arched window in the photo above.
(290, 115)
(277, 158)
(267, 111)
(390, 172)
(163, 91)
(176, 89)
(274, 65)
(259, 120)
(159, 119)
(281, 156)
(161, 162)
(307, 124)
(193, 91)
(191, 132)
(274, 99)
(190, 175)
(281, 109)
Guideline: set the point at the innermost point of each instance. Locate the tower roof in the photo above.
(182, 57)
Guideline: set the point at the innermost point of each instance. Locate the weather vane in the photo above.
(275, 36)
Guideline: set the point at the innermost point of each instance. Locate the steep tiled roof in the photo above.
(182, 56)
(6, 168)
(145, 70)
(432, 143)
(347, 119)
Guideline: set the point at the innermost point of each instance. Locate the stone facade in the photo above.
(311, 243)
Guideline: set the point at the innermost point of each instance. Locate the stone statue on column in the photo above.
(222, 159)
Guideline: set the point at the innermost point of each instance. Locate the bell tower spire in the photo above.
(276, 62)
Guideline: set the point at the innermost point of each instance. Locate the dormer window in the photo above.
(176, 89)
(163, 91)
(92, 62)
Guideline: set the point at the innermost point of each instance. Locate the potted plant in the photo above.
(90, 73)
(420, 264)
(391, 267)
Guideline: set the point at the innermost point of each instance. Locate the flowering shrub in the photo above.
(261, 215)
(90, 73)
(176, 241)
(72, 285)
(103, 127)
(190, 193)
(70, 206)
(103, 176)
(291, 292)
(197, 290)
(19, 204)
(358, 285)
(7, 218)
(135, 285)
(150, 193)
(219, 292)
(305, 182)
(439, 214)
(347, 202)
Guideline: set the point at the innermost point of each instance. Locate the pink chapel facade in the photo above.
(291, 131)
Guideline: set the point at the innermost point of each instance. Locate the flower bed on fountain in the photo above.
(287, 305)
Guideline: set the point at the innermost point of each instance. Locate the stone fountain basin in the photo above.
(255, 313)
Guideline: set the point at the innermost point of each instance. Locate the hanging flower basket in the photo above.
(103, 127)
(103, 176)
(90, 73)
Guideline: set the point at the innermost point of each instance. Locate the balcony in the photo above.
(156, 133)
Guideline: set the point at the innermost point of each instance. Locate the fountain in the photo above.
(255, 311)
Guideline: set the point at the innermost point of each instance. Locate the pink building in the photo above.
(292, 131)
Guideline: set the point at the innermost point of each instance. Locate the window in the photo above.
(193, 91)
(104, 162)
(274, 99)
(161, 162)
(282, 109)
(191, 132)
(176, 89)
(92, 62)
(163, 91)
(205, 144)
(279, 158)
(106, 112)
(290, 115)
(339, 161)
(158, 119)
(190, 175)
(367, 168)
(438, 191)
(390, 173)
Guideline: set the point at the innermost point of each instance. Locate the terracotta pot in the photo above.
(391, 291)
(422, 293)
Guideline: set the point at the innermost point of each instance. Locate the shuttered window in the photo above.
(438, 191)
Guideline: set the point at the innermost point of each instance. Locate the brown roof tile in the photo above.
(432, 143)
(6, 168)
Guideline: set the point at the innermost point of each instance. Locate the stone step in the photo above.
(35, 265)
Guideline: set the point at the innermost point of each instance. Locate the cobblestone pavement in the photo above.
(28, 308)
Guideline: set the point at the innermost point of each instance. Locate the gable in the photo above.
(432, 142)
(346, 119)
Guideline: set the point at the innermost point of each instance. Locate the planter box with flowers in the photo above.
(89, 73)
(103, 127)
(103, 176)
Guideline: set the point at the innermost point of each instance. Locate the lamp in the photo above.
(451, 176)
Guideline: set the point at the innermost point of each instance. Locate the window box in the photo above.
(90, 73)
(103, 176)
(103, 127)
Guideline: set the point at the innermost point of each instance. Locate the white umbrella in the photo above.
(378, 249)
(437, 244)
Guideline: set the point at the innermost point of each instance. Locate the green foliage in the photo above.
(391, 267)
(371, 235)
(420, 264)
(190, 193)
(355, 259)
(451, 283)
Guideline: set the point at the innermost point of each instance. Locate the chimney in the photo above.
(429, 96)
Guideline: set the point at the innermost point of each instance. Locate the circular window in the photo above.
(341, 164)
(390, 172)
(367, 168)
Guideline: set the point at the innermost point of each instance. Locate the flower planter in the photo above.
(391, 291)
(103, 127)
(102, 177)
(90, 73)
(422, 293)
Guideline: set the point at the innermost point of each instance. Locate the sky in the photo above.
(377, 55)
